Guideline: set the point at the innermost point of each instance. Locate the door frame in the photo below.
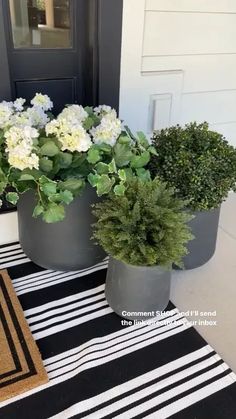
(5, 85)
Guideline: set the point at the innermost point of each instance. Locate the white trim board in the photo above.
(8, 228)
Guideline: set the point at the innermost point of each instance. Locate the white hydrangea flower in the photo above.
(6, 112)
(76, 140)
(108, 131)
(42, 101)
(69, 130)
(8, 104)
(74, 114)
(21, 162)
(20, 142)
(37, 117)
(52, 127)
(19, 104)
(1, 203)
(105, 110)
(20, 119)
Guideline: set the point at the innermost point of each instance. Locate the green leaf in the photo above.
(124, 139)
(102, 168)
(54, 213)
(143, 174)
(38, 210)
(48, 186)
(64, 160)
(24, 186)
(89, 110)
(104, 185)
(45, 165)
(88, 123)
(93, 155)
(43, 140)
(122, 175)
(106, 148)
(26, 176)
(119, 189)
(49, 149)
(78, 160)
(128, 173)
(142, 139)
(36, 174)
(122, 154)
(140, 161)
(66, 196)
(93, 179)
(3, 182)
(112, 166)
(12, 197)
(73, 185)
(129, 132)
(152, 150)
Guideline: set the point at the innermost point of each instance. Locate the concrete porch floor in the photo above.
(212, 287)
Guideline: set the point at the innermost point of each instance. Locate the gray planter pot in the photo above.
(201, 249)
(133, 290)
(63, 246)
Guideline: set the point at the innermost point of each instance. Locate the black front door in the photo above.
(51, 47)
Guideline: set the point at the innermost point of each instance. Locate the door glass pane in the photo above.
(40, 23)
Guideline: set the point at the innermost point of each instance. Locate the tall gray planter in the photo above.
(201, 249)
(134, 290)
(63, 246)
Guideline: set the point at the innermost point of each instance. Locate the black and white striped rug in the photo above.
(101, 369)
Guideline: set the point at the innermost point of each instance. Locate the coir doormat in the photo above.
(21, 366)
(99, 368)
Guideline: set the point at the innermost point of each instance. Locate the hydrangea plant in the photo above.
(56, 157)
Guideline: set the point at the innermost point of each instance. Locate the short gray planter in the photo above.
(63, 246)
(133, 290)
(201, 249)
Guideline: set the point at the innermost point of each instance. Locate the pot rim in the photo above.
(141, 267)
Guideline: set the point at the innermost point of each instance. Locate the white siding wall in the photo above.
(179, 64)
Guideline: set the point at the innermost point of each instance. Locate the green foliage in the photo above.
(49, 149)
(113, 166)
(3, 181)
(54, 213)
(93, 155)
(62, 167)
(197, 162)
(145, 226)
(12, 197)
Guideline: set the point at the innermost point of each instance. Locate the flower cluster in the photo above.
(70, 131)
(20, 145)
(109, 128)
(14, 114)
(21, 127)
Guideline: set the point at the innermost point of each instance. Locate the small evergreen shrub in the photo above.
(197, 162)
(146, 226)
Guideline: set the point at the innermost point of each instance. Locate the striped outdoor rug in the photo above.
(101, 369)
